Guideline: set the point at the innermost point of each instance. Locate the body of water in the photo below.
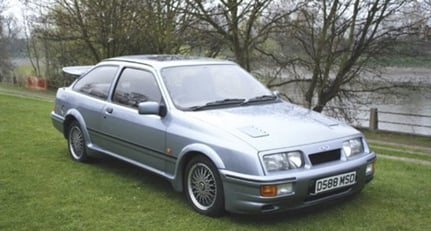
(403, 110)
(409, 113)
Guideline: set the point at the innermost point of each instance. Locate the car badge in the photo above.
(324, 148)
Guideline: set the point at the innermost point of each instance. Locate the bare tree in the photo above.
(238, 25)
(428, 5)
(427, 12)
(2, 45)
(97, 29)
(166, 26)
(338, 39)
(7, 32)
(103, 28)
(32, 43)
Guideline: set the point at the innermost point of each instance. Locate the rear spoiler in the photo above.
(77, 71)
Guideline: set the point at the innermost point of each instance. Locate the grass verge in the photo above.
(398, 138)
(400, 145)
(41, 188)
(22, 91)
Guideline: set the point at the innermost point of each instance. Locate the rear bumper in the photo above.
(242, 194)
(57, 121)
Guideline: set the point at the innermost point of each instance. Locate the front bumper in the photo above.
(242, 193)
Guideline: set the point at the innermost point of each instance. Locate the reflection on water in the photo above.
(415, 103)
(403, 101)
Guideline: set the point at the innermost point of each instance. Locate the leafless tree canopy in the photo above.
(238, 25)
(336, 41)
(7, 32)
(324, 47)
(112, 28)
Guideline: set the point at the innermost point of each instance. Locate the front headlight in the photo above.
(283, 161)
(353, 147)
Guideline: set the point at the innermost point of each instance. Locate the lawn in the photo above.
(41, 188)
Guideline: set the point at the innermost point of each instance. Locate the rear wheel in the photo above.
(76, 142)
(204, 189)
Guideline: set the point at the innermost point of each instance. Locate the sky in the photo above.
(14, 8)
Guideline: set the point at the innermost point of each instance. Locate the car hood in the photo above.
(275, 125)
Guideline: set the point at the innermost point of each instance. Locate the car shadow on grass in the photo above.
(140, 177)
(297, 216)
(129, 171)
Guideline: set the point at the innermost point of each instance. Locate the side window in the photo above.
(97, 82)
(136, 86)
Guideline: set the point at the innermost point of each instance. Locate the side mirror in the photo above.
(151, 108)
(276, 93)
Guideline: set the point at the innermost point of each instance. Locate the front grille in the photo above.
(324, 157)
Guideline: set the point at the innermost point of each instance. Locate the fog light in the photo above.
(284, 189)
(370, 168)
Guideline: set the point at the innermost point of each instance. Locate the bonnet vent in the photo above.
(253, 131)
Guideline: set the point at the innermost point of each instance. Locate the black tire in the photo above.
(203, 187)
(76, 142)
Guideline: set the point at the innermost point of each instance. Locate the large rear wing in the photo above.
(77, 71)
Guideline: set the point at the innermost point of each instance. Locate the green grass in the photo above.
(25, 92)
(401, 152)
(398, 138)
(41, 188)
(400, 145)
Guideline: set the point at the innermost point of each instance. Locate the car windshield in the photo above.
(204, 86)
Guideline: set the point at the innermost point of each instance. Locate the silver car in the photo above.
(213, 131)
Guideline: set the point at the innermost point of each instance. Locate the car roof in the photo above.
(166, 60)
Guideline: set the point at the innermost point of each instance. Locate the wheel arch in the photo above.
(188, 153)
(74, 115)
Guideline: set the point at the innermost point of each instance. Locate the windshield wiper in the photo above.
(218, 103)
(261, 98)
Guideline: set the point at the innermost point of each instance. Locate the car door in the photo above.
(92, 92)
(130, 135)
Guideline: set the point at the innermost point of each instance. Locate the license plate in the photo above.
(334, 182)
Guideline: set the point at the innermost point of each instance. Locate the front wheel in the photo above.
(204, 189)
(76, 142)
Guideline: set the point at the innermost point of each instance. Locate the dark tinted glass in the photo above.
(97, 82)
(136, 86)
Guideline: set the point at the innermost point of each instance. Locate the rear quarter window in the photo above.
(97, 82)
